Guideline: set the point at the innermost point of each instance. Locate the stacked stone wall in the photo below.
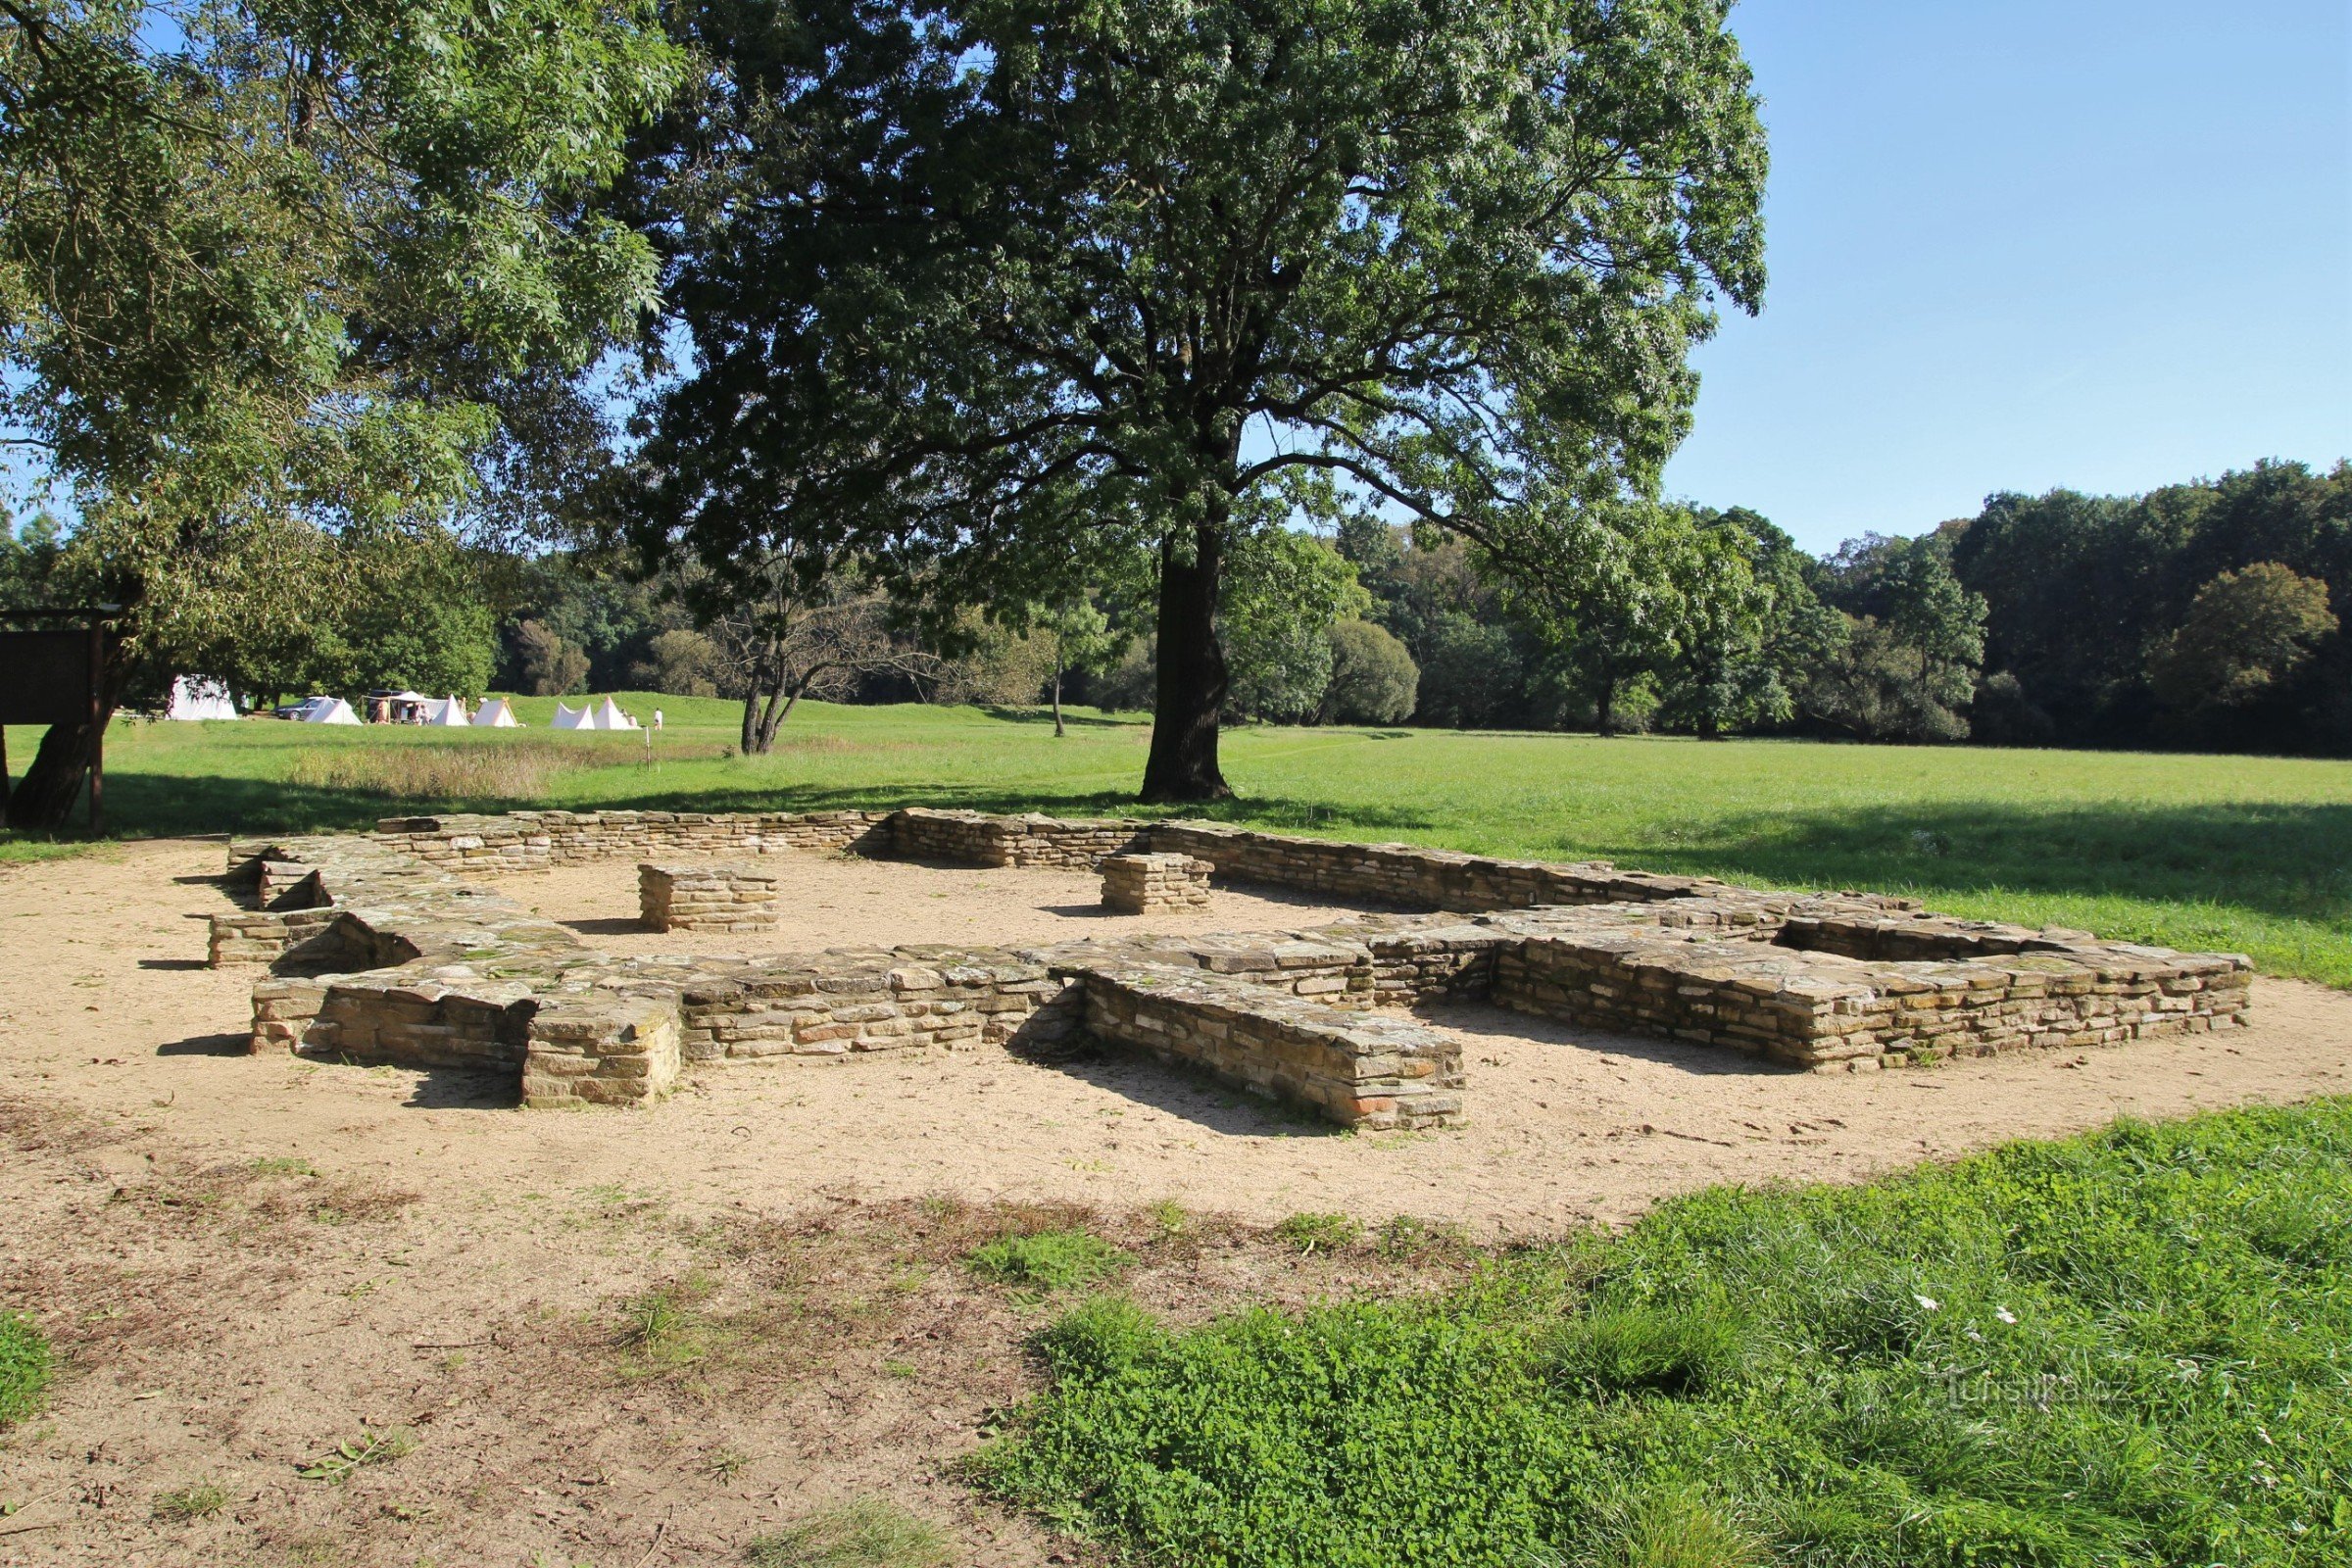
(1137, 884)
(1352, 1068)
(722, 897)
(535, 841)
(442, 970)
(969, 838)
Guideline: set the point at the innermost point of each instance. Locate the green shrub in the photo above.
(862, 1532)
(2122, 1349)
(25, 1367)
(1049, 1261)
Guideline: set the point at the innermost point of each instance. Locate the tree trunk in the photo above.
(45, 798)
(751, 719)
(1183, 764)
(1059, 731)
(1605, 701)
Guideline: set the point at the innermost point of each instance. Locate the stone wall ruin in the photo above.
(383, 949)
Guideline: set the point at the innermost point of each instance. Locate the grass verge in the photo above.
(2133, 1348)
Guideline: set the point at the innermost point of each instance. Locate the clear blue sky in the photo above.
(2017, 245)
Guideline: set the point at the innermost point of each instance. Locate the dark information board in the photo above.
(45, 676)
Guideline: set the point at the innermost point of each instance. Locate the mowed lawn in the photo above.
(2245, 853)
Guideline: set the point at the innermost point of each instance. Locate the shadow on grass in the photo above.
(2284, 859)
(1045, 715)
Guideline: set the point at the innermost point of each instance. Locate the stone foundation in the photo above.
(379, 952)
(1352, 1068)
(1138, 884)
(719, 897)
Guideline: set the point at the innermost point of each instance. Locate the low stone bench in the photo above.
(713, 897)
(1137, 884)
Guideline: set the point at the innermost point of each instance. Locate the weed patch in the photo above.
(199, 1500)
(1049, 1261)
(863, 1533)
(26, 1366)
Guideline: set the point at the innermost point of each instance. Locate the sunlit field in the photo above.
(2243, 854)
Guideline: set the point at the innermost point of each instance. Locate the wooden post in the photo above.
(97, 720)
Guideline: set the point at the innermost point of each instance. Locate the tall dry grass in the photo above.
(505, 770)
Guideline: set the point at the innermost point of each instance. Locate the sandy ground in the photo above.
(845, 901)
(244, 1262)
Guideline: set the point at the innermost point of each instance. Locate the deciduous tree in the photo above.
(981, 281)
(279, 266)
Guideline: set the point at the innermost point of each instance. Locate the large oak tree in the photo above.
(979, 285)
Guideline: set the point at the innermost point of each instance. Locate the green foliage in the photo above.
(352, 1454)
(680, 661)
(2085, 591)
(1914, 642)
(245, 364)
(862, 1532)
(981, 291)
(25, 1367)
(1047, 1260)
(1373, 677)
(2128, 1348)
(543, 664)
(2247, 632)
(1671, 1526)
(1284, 593)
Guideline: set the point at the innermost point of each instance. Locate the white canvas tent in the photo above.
(496, 714)
(606, 714)
(195, 698)
(328, 710)
(450, 711)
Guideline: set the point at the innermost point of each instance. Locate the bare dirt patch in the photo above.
(248, 1262)
(846, 901)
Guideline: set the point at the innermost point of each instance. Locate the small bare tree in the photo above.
(798, 626)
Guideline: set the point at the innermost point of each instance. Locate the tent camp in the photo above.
(496, 714)
(195, 698)
(606, 714)
(328, 710)
(448, 710)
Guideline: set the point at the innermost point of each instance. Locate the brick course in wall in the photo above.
(381, 952)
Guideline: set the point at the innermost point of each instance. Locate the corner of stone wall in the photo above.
(601, 1051)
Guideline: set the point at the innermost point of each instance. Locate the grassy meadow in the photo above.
(2243, 854)
(2128, 1348)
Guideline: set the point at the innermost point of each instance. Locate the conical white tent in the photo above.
(496, 714)
(607, 716)
(450, 711)
(195, 698)
(328, 710)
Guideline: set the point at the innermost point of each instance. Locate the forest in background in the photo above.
(2209, 615)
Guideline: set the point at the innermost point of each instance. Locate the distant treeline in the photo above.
(2207, 614)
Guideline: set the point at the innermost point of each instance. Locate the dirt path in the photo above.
(248, 1259)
